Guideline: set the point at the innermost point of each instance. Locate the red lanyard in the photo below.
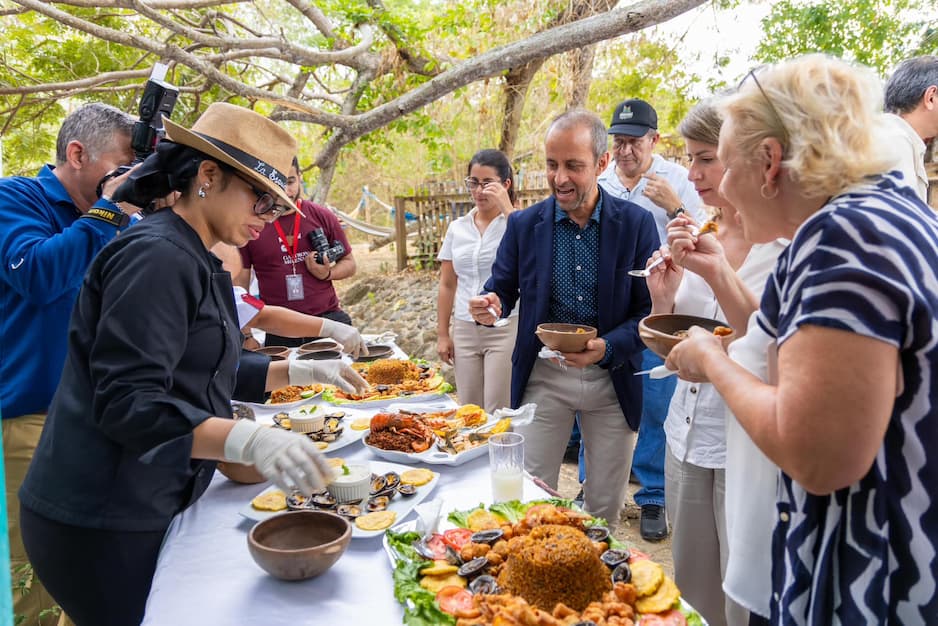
(296, 238)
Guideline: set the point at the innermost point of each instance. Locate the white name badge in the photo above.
(294, 287)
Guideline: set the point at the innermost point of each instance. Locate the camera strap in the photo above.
(296, 238)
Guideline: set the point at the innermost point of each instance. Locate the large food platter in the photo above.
(400, 505)
(420, 606)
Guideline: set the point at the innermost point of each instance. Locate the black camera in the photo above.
(319, 243)
(157, 102)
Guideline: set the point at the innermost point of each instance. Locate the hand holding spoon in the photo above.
(499, 321)
(645, 273)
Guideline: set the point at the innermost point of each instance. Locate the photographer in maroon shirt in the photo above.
(297, 258)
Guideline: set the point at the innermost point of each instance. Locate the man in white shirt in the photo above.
(660, 187)
(912, 99)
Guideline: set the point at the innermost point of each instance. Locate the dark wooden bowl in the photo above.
(300, 544)
(657, 331)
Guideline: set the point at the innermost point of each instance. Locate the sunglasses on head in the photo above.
(775, 112)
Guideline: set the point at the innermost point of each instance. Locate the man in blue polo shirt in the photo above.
(51, 227)
(662, 188)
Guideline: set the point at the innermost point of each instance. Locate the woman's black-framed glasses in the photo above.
(472, 184)
(265, 204)
(755, 79)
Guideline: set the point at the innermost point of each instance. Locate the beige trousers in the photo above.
(483, 363)
(20, 438)
(559, 395)
(695, 498)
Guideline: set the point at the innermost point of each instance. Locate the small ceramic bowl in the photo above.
(351, 487)
(307, 420)
(376, 352)
(300, 544)
(319, 345)
(658, 331)
(565, 337)
(321, 355)
(275, 351)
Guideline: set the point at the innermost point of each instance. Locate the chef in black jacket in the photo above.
(143, 409)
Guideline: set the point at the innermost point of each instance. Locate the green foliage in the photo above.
(877, 33)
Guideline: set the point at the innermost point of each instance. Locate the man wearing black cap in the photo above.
(662, 188)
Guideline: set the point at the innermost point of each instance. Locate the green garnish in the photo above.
(345, 470)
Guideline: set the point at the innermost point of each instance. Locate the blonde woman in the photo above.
(851, 407)
(481, 355)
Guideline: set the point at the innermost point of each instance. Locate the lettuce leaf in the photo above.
(328, 395)
(446, 388)
(420, 608)
(461, 518)
(513, 510)
(403, 544)
(693, 617)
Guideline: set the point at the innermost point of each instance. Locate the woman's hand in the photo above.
(663, 281)
(702, 255)
(689, 356)
(497, 194)
(445, 350)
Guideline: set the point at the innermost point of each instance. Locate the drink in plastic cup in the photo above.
(506, 464)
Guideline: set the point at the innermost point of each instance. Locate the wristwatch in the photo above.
(672, 214)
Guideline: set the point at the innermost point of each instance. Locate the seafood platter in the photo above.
(392, 380)
(371, 495)
(542, 562)
(448, 437)
(330, 428)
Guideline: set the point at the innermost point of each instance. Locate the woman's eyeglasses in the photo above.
(775, 112)
(473, 183)
(265, 204)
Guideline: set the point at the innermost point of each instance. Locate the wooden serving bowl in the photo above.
(299, 544)
(657, 331)
(275, 351)
(564, 337)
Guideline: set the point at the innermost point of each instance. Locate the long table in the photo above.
(205, 575)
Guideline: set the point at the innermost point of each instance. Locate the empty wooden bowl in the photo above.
(319, 345)
(300, 544)
(658, 331)
(565, 337)
(375, 352)
(319, 355)
(275, 351)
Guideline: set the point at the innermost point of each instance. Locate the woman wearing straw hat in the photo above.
(142, 412)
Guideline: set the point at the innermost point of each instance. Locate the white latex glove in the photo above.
(348, 336)
(290, 460)
(337, 372)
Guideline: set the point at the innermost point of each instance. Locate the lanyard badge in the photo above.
(294, 281)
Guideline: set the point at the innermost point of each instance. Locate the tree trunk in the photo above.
(580, 63)
(517, 83)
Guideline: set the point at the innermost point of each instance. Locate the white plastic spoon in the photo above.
(499, 321)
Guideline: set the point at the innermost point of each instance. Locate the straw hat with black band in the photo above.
(254, 146)
(247, 141)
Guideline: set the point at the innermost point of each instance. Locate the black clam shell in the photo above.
(296, 501)
(377, 503)
(473, 567)
(349, 511)
(242, 412)
(279, 419)
(406, 490)
(597, 533)
(622, 573)
(484, 584)
(487, 536)
(612, 558)
(323, 501)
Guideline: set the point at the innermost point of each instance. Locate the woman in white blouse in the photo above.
(481, 355)
(699, 272)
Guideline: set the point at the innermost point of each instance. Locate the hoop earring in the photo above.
(202, 191)
(764, 195)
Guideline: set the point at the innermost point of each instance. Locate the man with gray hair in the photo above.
(566, 259)
(51, 227)
(912, 104)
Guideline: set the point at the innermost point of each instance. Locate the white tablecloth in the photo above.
(206, 576)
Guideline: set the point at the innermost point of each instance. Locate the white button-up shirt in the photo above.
(695, 426)
(472, 254)
(912, 154)
(675, 174)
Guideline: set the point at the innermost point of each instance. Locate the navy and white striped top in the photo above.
(866, 263)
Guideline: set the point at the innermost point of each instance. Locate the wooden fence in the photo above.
(437, 204)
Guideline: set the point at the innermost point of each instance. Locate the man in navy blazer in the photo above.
(566, 259)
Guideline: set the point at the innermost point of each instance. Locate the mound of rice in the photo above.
(391, 372)
(554, 564)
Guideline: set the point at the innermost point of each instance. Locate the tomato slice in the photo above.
(457, 601)
(457, 537)
(437, 545)
(672, 617)
(637, 555)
